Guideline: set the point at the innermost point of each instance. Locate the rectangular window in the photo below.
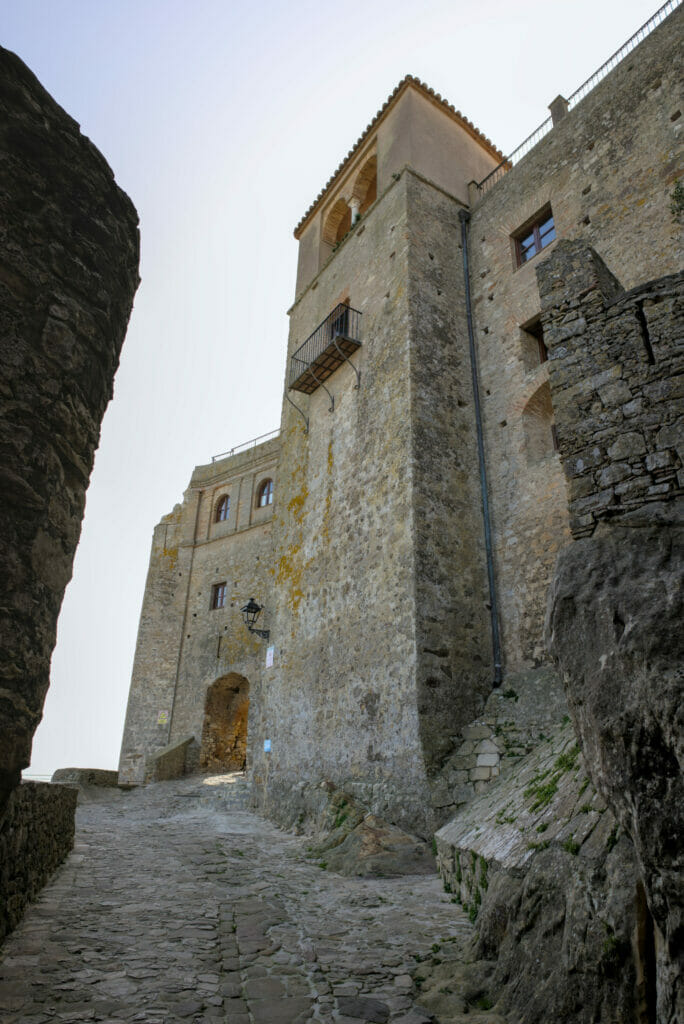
(218, 595)
(534, 236)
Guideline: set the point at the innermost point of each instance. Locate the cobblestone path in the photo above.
(179, 905)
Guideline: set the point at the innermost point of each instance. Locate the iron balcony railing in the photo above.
(245, 445)
(578, 95)
(331, 344)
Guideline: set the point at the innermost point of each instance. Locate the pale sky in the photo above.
(222, 121)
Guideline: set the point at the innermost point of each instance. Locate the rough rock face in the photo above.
(540, 864)
(351, 841)
(615, 619)
(615, 605)
(68, 274)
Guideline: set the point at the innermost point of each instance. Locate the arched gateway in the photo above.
(224, 730)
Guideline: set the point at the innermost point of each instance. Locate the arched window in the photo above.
(265, 494)
(223, 508)
(337, 223)
(366, 185)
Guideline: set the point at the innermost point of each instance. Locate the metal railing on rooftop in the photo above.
(247, 444)
(578, 94)
(333, 341)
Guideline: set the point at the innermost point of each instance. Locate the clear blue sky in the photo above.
(222, 121)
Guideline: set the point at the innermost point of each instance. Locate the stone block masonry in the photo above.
(615, 369)
(36, 834)
(607, 171)
(68, 274)
(185, 645)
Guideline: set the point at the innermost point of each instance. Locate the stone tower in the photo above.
(382, 646)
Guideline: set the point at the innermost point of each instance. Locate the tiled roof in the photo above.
(430, 94)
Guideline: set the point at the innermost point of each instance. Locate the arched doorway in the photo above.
(224, 730)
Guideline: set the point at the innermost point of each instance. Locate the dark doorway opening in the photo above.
(224, 731)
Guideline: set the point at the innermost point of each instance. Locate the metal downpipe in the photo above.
(464, 217)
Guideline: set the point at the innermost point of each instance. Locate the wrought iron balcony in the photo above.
(328, 347)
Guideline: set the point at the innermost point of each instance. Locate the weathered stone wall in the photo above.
(68, 273)
(36, 834)
(616, 366)
(184, 644)
(607, 170)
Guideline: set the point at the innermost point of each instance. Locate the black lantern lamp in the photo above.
(250, 613)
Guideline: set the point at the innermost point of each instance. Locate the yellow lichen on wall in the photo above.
(296, 505)
(171, 556)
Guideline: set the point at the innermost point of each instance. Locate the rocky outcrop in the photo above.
(353, 842)
(615, 618)
(68, 274)
(615, 607)
(540, 864)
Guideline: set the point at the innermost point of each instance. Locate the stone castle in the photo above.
(400, 532)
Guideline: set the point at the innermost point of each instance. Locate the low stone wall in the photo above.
(168, 763)
(36, 834)
(86, 777)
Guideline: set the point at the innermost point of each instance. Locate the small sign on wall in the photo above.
(163, 718)
(269, 656)
(267, 746)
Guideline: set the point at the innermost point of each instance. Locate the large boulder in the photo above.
(615, 629)
(69, 252)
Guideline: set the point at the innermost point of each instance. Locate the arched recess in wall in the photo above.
(538, 425)
(224, 730)
(365, 188)
(337, 223)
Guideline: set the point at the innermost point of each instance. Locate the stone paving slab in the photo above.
(178, 905)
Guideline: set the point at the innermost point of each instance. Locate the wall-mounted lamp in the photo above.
(250, 613)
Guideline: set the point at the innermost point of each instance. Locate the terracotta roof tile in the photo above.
(424, 88)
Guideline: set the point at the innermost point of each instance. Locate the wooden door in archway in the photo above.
(224, 731)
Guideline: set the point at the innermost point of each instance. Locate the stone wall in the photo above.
(68, 274)
(615, 371)
(607, 170)
(36, 834)
(184, 645)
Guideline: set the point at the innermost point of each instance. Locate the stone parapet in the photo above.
(36, 834)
